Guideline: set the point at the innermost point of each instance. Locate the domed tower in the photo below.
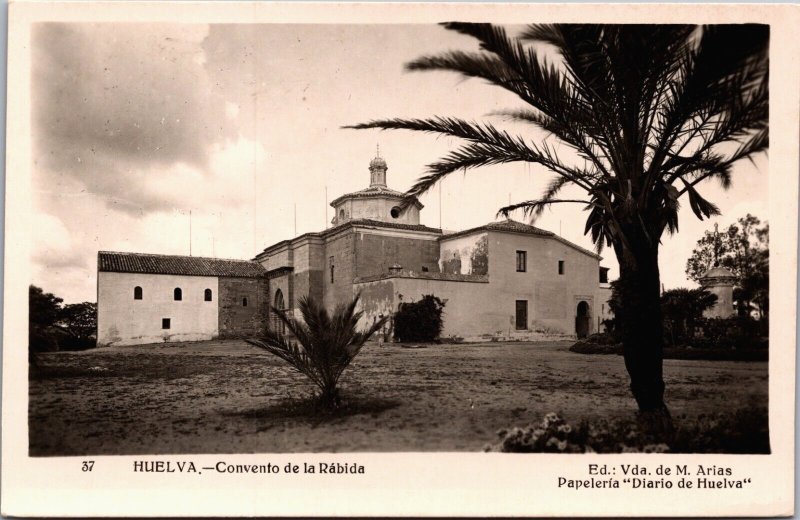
(719, 281)
(377, 171)
(377, 202)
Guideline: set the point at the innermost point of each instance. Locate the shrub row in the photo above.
(743, 431)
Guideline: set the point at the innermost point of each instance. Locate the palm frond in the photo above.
(759, 142)
(724, 79)
(535, 207)
(642, 105)
(700, 206)
(487, 145)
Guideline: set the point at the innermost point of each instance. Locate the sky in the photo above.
(136, 126)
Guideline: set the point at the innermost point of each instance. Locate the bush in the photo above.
(602, 338)
(740, 332)
(419, 321)
(743, 431)
(682, 309)
(739, 338)
(588, 346)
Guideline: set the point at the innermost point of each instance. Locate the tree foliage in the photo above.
(320, 346)
(79, 321)
(44, 310)
(419, 321)
(53, 326)
(742, 248)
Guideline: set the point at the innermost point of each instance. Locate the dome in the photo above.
(377, 162)
(718, 272)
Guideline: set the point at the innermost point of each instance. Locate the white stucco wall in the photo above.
(602, 310)
(122, 320)
(375, 208)
(552, 298)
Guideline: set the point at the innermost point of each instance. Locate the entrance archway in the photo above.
(278, 305)
(582, 320)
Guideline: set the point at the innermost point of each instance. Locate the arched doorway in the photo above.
(582, 320)
(278, 305)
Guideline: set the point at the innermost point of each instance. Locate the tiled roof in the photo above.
(512, 226)
(392, 225)
(374, 191)
(517, 227)
(509, 226)
(174, 264)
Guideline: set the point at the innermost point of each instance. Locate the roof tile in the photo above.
(174, 264)
(510, 226)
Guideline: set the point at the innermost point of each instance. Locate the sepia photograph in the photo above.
(378, 237)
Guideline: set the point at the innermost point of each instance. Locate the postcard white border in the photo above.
(402, 483)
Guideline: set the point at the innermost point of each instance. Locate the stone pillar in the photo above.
(719, 281)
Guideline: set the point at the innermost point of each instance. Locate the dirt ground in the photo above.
(229, 397)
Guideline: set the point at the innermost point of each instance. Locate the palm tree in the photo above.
(323, 346)
(684, 308)
(651, 112)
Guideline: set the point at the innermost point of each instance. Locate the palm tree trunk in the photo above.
(641, 325)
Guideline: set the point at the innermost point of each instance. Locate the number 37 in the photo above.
(87, 465)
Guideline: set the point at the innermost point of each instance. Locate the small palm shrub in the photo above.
(321, 346)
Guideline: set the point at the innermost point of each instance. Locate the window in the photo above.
(244, 302)
(604, 275)
(165, 323)
(208, 295)
(424, 269)
(395, 212)
(560, 267)
(137, 293)
(330, 261)
(522, 315)
(275, 322)
(522, 261)
(341, 216)
(177, 294)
